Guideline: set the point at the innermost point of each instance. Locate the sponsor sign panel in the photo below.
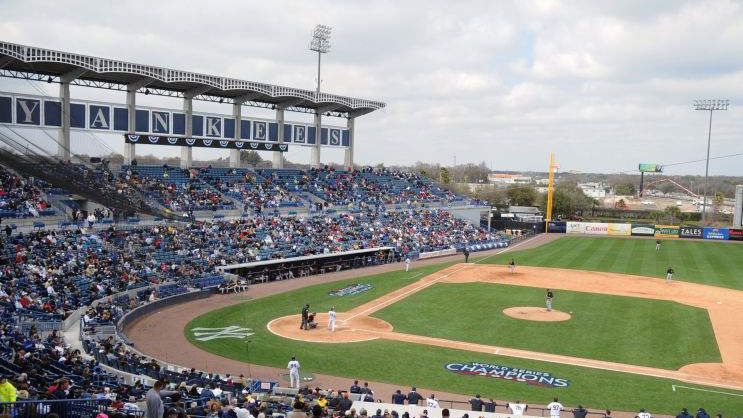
(667, 231)
(643, 230)
(590, 228)
(735, 234)
(559, 227)
(619, 229)
(530, 377)
(350, 290)
(690, 232)
(650, 168)
(715, 233)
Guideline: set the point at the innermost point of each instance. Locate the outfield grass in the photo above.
(614, 328)
(713, 263)
(408, 364)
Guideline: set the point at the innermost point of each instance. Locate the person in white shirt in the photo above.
(555, 407)
(331, 319)
(293, 367)
(431, 402)
(407, 264)
(518, 408)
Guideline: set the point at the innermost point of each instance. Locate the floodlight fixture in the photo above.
(320, 43)
(709, 105)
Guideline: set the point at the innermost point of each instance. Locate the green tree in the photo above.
(250, 158)
(672, 214)
(522, 195)
(569, 200)
(625, 189)
(444, 176)
(718, 201)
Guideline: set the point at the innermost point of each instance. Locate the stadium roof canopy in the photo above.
(40, 64)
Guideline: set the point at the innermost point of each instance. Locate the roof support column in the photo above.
(278, 158)
(186, 151)
(315, 161)
(131, 107)
(348, 158)
(235, 153)
(63, 143)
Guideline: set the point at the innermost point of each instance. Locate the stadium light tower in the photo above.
(320, 43)
(709, 105)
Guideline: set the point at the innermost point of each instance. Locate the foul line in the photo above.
(673, 387)
(425, 285)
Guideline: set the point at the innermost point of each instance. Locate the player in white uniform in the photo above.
(644, 414)
(293, 367)
(331, 319)
(555, 407)
(431, 402)
(518, 408)
(407, 264)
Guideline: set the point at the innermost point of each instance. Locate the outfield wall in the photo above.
(646, 230)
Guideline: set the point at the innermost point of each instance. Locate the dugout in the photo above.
(288, 268)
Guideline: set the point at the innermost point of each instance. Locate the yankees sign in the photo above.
(232, 331)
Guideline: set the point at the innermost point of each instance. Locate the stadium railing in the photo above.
(64, 408)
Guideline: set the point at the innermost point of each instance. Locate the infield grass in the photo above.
(713, 263)
(407, 364)
(621, 329)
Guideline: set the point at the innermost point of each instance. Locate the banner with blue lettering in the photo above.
(715, 233)
(46, 111)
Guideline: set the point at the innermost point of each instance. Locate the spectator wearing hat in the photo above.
(398, 398)
(701, 413)
(414, 397)
(684, 413)
(297, 409)
(490, 405)
(580, 412)
(476, 403)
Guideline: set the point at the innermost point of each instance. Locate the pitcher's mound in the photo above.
(356, 329)
(532, 313)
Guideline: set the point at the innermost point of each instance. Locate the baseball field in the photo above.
(627, 340)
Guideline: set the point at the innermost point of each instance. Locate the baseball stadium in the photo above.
(135, 285)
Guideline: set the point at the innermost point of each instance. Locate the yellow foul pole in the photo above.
(550, 189)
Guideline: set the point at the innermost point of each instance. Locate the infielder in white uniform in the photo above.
(293, 367)
(407, 264)
(331, 319)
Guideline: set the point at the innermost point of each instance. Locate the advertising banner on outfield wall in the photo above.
(619, 229)
(735, 234)
(690, 232)
(715, 233)
(643, 230)
(590, 228)
(667, 231)
(557, 226)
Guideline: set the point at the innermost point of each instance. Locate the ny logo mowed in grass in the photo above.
(232, 331)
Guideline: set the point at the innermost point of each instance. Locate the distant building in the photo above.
(593, 190)
(526, 213)
(503, 178)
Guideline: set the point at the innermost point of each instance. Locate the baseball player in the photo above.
(512, 266)
(517, 408)
(331, 319)
(407, 264)
(669, 274)
(549, 298)
(555, 407)
(466, 255)
(293, 367)
(657, 245)
(644, 414)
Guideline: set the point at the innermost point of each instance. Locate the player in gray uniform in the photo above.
(548, 300)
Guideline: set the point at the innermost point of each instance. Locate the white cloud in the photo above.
(603, 84)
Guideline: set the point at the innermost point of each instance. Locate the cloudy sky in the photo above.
(605, 85)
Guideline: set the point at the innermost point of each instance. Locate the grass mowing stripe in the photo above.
(713, 263)
(408, 364)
